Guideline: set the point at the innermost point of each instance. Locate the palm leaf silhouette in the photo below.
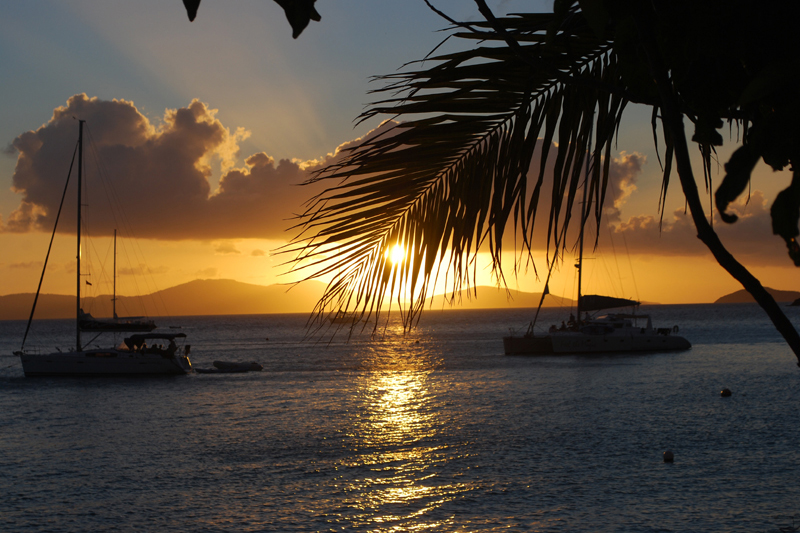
(448, 180)
(454, 173)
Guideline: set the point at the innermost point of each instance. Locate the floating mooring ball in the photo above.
(725, 393)
(668, 456)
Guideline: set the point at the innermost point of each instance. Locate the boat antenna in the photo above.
(78, 254)
(49, 248)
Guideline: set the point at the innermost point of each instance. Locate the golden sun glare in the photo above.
(396, 254)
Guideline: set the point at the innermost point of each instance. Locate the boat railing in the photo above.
(30, 350)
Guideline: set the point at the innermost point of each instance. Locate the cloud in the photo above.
(26, 265)
(623, 173)
(226, 248)
(142, 269)
(206, 273)
(749, 239)
(258, 253)
(159, 174)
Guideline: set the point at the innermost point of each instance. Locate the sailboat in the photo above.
(129, 323)
(131, 357)
(611, 333)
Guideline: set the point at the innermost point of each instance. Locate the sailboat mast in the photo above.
(580, 244)
(584, 215)
(78, 271)
(114, 298)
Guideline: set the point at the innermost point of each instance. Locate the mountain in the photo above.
(229, 297)
(491, 297)
(18, 306)
(742, 296)
(198, 297)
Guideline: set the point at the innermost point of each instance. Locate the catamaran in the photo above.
(611, 333)
(131, 357)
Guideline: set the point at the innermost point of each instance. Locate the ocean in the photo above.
(434, 430)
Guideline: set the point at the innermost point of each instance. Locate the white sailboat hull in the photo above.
(577, 343)
(103, 362)
(634, 342)
(137, 359)
(605, 335)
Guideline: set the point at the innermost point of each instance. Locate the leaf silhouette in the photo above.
(298, 12)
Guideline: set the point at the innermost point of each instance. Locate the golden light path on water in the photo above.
(396, 429)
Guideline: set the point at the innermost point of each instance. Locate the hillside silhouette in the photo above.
(230, 297)
(742, 296)
(198, 297)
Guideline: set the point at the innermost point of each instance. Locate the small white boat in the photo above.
(251, 366)
(226, 367)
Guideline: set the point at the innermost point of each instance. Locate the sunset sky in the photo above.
(206, 128)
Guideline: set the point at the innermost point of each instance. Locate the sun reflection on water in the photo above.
(396, 486)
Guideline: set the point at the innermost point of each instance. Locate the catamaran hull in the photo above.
(577, 343)
(103, 363)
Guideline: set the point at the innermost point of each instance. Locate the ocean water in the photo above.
(435, 430)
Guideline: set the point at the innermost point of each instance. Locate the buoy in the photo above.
(668, 456)
(725, 393)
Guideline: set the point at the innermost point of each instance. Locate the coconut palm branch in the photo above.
(454, 173)
(448, 180)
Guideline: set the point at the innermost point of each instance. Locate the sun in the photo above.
(396, 254)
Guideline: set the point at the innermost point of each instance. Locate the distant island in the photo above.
(742, 296)
(230, 297)
(198, 297)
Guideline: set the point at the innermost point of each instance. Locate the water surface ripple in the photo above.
(431, 431)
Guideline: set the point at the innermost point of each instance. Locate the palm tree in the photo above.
(450, 177)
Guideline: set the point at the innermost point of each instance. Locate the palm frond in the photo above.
(447, 181)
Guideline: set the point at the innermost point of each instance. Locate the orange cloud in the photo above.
(210, 272)
(226, 248)
(159, 175)
(26, 265)
(750, 238)
(142, 269)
